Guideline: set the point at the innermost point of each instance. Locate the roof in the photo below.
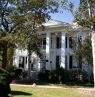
(54, 23)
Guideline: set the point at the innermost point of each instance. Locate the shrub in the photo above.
(11, 68)
(44, 76)
(61, 75)
(92, 78)
(53, 76)
(58, 75)
(16, 73)
(5, 80)
(75, 75)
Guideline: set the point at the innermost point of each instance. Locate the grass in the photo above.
(19, 91)
(65, 84)
(74, 84)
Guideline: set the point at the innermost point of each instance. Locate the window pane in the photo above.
(21, 62)
(44, 43)
(66, 42)
(57, 62)
(58, 42)
(66, 62)
(70, 61)
(70, 42)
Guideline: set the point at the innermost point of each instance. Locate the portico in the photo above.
(54, 47)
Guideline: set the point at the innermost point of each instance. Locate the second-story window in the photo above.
(58, 42)
(65, 42)
(70, 42)
(51, 42)
(44, 43)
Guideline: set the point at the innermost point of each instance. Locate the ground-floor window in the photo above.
(70, 61)
(21, 61)
(66, 62)
(57, 61)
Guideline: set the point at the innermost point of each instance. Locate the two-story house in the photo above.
(56, 47)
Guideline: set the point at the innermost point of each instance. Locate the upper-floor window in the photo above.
(51, 43)
(44, 43)
(58, 42)
(70, 42)
(66, 42)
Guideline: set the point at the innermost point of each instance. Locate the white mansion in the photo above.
(56, 48)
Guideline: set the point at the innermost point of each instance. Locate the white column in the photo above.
(48, 67)
(16, 61)
(63, 35)
(54, 48)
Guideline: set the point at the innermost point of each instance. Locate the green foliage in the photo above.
(43, 76)
(85, 16)
(4, 75)
(5, 80)
(58, 75)
(61, 75)
(83, 50)
(67, 5)
(19, 19)
(11, 68)
(75, 75)
(83, 55)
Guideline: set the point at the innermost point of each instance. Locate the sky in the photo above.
(66, 16)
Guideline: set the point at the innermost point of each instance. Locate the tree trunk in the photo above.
(29, 61)
(10, 53)
(93, 52)
(4, 56)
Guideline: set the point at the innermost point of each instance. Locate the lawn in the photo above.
(19, 91)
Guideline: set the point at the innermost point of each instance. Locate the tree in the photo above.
(85, 16)
(6, 12)
(83, 54)
(14, 14)
(32, 19)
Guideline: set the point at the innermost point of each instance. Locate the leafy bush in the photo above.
(53, 76)
(58, 75)
(75, 75)
(44, 76)
(61, 75)
(16, 73)
(92, 78)
(88, 77)
(11, 68)
(5, 80)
